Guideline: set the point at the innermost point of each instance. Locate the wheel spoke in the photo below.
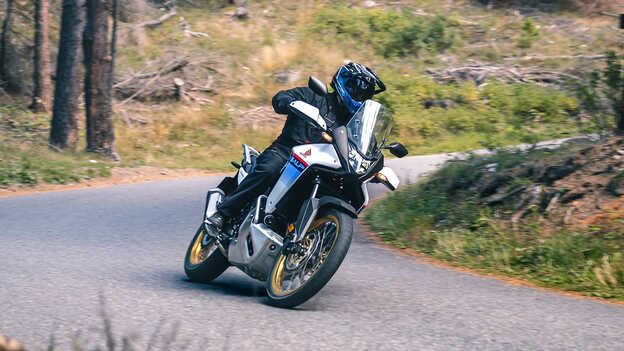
(298, 270)
(204, 247)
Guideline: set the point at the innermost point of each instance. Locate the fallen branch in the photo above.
(143, 88)
(159, 21)
(608, 14)
(196, 73)
(176, 66)
(186, 27)
(499, 198)
(560, 57)
(480, 75)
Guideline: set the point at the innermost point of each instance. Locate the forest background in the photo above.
(183, 84)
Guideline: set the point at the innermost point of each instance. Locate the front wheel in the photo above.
(296, 277)
(204, 262)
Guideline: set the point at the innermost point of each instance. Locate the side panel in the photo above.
(292, 171)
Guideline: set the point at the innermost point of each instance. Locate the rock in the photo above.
(556, 172)
(530, 198)
(490, 167)
(615, 186)
(609, 169)
(368, 4)
(496, 182)
(568, 215)
(498, 198)
(573, 195)
(586, 150)
(552, 203)
(286, 76)
(241, 13)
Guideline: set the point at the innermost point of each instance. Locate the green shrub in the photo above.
(496, 113)
(390, 33)
(601, 94)
(442, 217)
(528, 34)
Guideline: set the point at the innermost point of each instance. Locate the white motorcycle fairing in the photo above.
(302, 157)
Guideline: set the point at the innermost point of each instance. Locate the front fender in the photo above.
(332, 201)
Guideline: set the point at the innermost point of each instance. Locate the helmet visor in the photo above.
(359, 88)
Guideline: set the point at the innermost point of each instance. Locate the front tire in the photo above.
(295, 279)
(204, 262)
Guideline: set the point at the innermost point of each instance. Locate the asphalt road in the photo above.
(60, 251)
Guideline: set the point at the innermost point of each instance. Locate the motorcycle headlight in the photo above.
(357, 162)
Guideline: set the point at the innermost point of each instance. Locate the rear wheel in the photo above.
(204, 262)
(296, 277)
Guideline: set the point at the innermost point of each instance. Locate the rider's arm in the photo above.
(282, 99)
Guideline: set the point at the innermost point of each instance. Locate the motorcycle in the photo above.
(295, 236)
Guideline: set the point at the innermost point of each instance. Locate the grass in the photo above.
(25, 158)
(314, 38)
(32, 165)
(439, 218)
(179, 136)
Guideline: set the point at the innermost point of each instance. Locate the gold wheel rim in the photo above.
(200, 252)
(279, 273)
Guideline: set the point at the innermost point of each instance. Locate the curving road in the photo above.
(59, 251)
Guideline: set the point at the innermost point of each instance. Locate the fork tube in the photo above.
(317, 182)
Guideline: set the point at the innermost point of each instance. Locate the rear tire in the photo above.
(204, 262)
(279, 292)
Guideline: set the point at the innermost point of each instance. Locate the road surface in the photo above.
(61, 251)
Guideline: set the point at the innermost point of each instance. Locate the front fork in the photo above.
(307, 213)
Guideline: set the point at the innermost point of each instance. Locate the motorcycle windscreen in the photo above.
(293, 170)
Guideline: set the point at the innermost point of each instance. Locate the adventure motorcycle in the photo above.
(296, 235)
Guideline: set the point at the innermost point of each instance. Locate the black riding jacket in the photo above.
(296, 131)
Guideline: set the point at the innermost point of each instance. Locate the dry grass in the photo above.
(246, 56)
(188, 136)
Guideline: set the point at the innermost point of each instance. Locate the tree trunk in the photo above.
(98, 92)
(113, 46)
(42, 94)
(4, 42)
(63, 132)
(619, 116)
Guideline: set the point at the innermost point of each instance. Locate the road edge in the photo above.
(426, 259)
(104, 182)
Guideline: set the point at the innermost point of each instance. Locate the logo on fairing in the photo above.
(297, 163)
(307, 153)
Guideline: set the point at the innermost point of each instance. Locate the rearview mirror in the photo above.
(317, 86)
(309, 113)
(397, 149)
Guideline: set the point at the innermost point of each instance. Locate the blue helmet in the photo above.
(355, 84)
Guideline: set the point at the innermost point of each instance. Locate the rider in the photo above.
(353, 84)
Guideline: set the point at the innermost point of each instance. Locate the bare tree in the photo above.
(98, 71)
(4, 43)
(63, 133)
(42, 94)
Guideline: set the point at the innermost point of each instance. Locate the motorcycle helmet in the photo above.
(354, 84)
